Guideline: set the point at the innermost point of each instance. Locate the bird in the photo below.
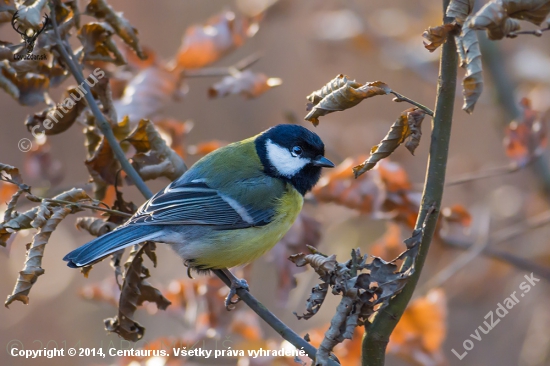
(229, 208)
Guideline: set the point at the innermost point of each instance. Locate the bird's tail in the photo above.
(109, 243)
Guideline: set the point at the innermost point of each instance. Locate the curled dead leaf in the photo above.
(339, 94)
(460, 10)
(102, 165)
(94, 225)
(135, 291)
(33, 264)
(98, 45)
(436, 36)
(27, 89)
(101, 10)
(58, 118)
(399, 131)
(470, 59)
(154, 158)
(493, 18)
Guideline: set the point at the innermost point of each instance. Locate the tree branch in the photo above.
(68, 57)
(402, 98)
(272, 320)
(105, 128)
(378, 333)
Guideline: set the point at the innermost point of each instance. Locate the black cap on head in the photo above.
(292, 153)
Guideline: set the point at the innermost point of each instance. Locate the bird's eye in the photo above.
(297, 150)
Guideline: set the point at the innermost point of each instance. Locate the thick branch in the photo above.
(378, 333)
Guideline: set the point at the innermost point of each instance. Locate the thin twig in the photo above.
(489, 173)
(101, 122)
(62, 202)
(518, 229)
(245, 63)
(536, 32)
(402, 98)
(25, 188)
(270, 318)
(512, 259)
(250, 300)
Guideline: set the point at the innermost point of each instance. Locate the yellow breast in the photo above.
(241, 246)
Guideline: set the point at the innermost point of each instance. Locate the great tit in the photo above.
(230, 207)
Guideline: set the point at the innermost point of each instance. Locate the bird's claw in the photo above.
(237, 284)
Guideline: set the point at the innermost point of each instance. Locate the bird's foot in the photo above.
(235, 285)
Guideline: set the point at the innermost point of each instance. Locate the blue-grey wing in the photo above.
(195, 203)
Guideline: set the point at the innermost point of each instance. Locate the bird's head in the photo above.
(294, 154)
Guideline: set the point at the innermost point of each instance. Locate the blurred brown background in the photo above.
(307, 43)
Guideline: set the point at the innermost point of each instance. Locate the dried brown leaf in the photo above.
(98, 45)
(101, 10)
(340, 94)
(534, 11)
(493, 18)
(135, 291)
(460, 10)
(221, 34)
(30, 13)
(397, 134)
(436, 36)
(246, 83)
(94, 225)
(154, 158)
(33, 264)
(102, 165)
(58, 118)
(414, 120)
(5, 53)
(364, 194)
(27, 89)
(470, 59)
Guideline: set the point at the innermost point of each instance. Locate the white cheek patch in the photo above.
(283, 161)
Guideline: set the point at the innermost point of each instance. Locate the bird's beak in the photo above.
(322, 162)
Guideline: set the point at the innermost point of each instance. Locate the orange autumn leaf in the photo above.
(340, 186)
(394, 176)
(527, 138)
(206, 147)
(421, 330)
(6, 191)
(221, 34)
(390, 245)
(457, 213)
